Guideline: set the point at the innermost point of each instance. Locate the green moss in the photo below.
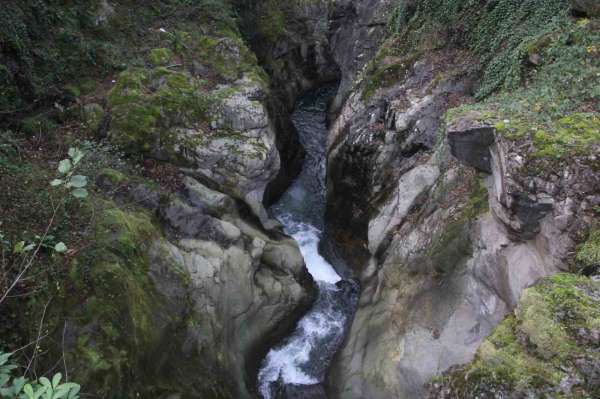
(537, 323)
(478, 202)
(588, 253)
(147, 105)
(382, 76)
(161, 56)
(571, 135)
(230, 58)
(450, 247)
(115, 177)
(531, 352)
(120, 302)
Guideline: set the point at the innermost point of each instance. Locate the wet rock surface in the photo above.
(228, 287)
(444, 232)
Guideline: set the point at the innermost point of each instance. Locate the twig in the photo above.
(33, 256)
(63, 352)
(37, 341)
(29, 344)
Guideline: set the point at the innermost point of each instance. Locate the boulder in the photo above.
(188, 308)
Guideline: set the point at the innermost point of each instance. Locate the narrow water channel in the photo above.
(298, 366)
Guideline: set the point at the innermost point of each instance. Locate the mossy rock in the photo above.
(148, 106)
(128, 339)
(588, 253)
(161, 56)
(550, 337)
(122, 317)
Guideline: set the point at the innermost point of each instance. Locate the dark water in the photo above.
(297, 367)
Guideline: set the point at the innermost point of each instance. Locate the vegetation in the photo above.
(53, 53)
(539, 65)
(20, 388)
(499, 34)
(548, 340)
(557, 108)
(75, 255)
(588, 253)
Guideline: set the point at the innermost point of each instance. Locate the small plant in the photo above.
(27, 251)
(21, 388)
(71, 181)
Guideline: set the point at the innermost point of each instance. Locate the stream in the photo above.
(298, 366)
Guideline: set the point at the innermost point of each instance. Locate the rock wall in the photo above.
(188, 287)
(318, 42)
(442, 224)
(187, 309)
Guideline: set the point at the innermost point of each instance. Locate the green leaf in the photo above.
(45, 382)
(76, 155)
(74, 390)
(7, 369)
(18, 248)
(56, 182)
(80, 193)
(18, 384)
(64, 166)
(60, 247)
(28, 389)
(78, 181)
(4, 358)
(56, 379)
(28, 247)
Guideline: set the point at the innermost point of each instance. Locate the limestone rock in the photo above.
(201, 300)
(444, 234)
(240, 154)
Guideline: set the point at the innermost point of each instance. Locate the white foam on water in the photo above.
(308, 238)
(286, 361)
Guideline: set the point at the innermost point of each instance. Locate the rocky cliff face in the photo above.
(445, 218)
(462, 169)
(188, 309)
(188, 286)
(318, 42)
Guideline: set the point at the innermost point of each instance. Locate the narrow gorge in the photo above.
(304, 199)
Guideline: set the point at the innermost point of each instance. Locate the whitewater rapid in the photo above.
(303, 358)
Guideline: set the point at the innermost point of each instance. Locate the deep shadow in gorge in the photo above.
(297, 60)
(297, 63)
(303, 47)
(296, 367)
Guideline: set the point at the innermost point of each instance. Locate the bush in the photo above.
(12, 387)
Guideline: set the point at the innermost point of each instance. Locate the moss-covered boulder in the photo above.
(550, 347)
(184, 300)
(149, 105)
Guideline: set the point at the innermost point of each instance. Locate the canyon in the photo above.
(358, 206)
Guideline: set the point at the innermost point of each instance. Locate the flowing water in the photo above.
(298, 366)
